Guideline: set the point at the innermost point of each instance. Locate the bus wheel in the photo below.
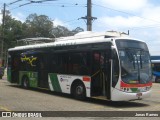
(157, 79)
(25, 82)
(79, 91)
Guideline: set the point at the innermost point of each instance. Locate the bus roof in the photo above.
(155, 61)
(37, 40)
(80, 38)
(155, 57)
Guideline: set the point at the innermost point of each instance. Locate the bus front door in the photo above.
(100, 85)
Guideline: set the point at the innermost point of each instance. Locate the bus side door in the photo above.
(43, 68)
(101, 73)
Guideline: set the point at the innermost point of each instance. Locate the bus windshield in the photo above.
(135, 65)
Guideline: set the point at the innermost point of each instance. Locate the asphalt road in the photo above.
(15, 98)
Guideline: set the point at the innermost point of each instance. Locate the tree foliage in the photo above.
(34, 26)
(38, 26)
(12, 30)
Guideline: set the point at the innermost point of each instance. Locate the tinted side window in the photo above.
(61, 61)
(71, 63)
(115, 69)
(79, 63)
(156, 67)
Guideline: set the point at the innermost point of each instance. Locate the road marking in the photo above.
(5, 109)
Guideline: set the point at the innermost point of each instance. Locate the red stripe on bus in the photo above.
(87, 79)
(135, 85)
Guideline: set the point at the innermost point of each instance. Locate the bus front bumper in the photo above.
(118, 95)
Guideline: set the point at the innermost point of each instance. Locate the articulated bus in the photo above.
(109, 66)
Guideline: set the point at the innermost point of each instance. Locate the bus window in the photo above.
(73, 63)
(9, 60)
(78, 63)
(53, 65)
(115, 69)
(61, 62)
(156, 71)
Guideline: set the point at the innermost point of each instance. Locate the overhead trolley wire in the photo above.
(127, 13)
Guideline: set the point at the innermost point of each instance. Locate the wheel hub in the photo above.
(79, 90)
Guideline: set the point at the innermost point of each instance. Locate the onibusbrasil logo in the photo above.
(21, 114)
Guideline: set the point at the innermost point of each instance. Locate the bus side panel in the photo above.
(62, 83)
(32, 76)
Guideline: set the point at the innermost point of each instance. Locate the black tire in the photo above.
(25, 82)
(79, 91)
(157, 80)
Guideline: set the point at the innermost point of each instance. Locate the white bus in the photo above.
(108, 65)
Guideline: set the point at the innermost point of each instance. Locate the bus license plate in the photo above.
(139, 94)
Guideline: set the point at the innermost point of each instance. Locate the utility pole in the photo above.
(2, 41)
(89, 16)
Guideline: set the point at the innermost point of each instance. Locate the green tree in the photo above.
(12, 30)
(34, 26)
(61, 31)
(77, 30)
(38, 26)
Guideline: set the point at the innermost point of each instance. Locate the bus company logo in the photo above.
(63, 80)
(29, 59)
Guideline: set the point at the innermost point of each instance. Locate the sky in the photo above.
(140, 17)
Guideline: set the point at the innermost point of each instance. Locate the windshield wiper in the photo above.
(131, 57)
(141, 59)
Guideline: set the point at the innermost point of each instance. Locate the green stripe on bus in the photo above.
(32, 76)
(55, 82)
